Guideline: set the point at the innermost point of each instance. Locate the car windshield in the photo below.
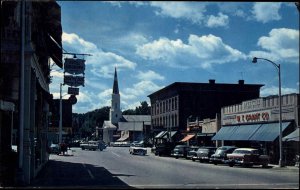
(203, 150)
(220, 151)
(242, 152)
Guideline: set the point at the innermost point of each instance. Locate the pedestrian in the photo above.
(63, 148)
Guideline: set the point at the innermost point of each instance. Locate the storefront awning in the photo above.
(188, 137)
(294, 136)
(161, 134)
(225, 133)
(268, 132)
(244, 132)
(167, 134)
(124, 137)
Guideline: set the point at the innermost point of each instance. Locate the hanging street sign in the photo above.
(73, 80)
(73, 91)
(73, 99)
(74, 66)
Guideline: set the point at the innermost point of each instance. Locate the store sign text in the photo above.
(253, 117)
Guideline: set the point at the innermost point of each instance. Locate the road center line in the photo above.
(116, 154)
(89, 171)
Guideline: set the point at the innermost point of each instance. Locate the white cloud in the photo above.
(191, 11)
(273, 90)
(266, 11)
(281, 44)
(84, 97)
(78, 43)
(149, 76)
(201, 51)
(216, 21)
(105, 94)
(142, 88)
(139, 91)
(102, 62)
(57, 74)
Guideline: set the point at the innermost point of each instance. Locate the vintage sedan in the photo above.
(90, 145)
(137, 149)
(192, 152)
(247, 157)
(220, 156)
(180, 151)
(54, 149)
(203, 154)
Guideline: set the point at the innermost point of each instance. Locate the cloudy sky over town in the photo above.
(154, 44)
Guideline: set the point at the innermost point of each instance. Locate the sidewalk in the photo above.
(296, 168)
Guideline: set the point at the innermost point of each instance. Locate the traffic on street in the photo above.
(115, 167)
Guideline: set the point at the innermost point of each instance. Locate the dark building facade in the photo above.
(67, 122)
(173, 105)
(30, 35)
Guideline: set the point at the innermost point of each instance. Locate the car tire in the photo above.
(231, 164)
(215, 163)
(265, 165)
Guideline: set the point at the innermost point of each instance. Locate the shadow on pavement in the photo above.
(60, 174)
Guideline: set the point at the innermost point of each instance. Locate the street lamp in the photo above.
(280, 109)
(60, 114)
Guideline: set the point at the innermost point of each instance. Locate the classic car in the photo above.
(220, 156)
(192, 152)
(90, 145)
(203, 154)
(180, 151)
(137, 148)
(164, 149)
(247, 157)
(54, 149)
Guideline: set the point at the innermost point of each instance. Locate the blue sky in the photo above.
(154, 44)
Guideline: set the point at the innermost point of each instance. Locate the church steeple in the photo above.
(115, 112)
(115, 87)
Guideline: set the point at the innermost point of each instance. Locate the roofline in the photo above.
(182, 83)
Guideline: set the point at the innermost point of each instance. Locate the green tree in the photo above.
(144, 109)
(129, 112)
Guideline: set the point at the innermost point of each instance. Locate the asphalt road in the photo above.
(116, 168)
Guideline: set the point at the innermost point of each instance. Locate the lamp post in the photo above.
(280, 108)
(60, 114)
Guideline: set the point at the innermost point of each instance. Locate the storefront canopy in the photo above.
(268, 132)
(225, 133)
(294, 136)
(244, 132)
(124, 137)
(167, 134)
(161, 134)
(256, 132)
(186, 138)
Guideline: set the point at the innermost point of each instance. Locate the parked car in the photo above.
(203, 154)
(137, 148)
(90, 145)
(220, 156)
(54, 149)
(180, 151)
(192, 152)
(164, 149)
(247, 157)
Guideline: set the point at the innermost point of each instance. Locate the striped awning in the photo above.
(186, 138)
